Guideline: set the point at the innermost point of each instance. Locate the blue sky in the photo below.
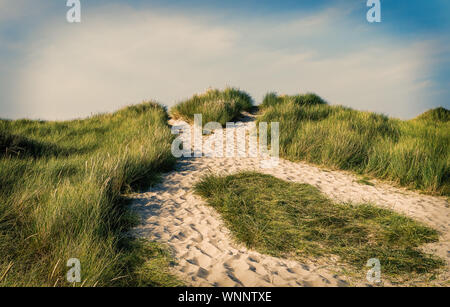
(124, 52)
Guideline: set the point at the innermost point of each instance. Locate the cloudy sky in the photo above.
(124, 52)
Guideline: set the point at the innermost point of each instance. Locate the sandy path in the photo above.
(207, 256)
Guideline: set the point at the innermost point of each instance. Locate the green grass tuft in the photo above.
(309, 99)
(365, 181)
(297, 220)
(435, 115)
(415, 154)
(61, 191)
(214, 105)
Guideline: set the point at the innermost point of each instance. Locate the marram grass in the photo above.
(61, 187)
(214, 105)
(297, 221)
(413, 153)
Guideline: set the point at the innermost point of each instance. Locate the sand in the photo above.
(207, 255)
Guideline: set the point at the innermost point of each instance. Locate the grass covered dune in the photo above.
(214, 105)
(296, 221)
(61, 187)
(413, 153)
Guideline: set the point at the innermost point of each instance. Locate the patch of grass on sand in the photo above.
(214, 105)
(365, 181)
(61, 191)
(295, 220)
(413, 153)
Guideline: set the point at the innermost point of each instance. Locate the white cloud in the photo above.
(119, 56)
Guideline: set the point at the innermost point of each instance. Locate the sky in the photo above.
(126, 52)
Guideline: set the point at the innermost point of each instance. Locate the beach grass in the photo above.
(411, 153)
(62, 187)
(215, 105)
(294, 220)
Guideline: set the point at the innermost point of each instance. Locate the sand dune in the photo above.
(206, 254)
